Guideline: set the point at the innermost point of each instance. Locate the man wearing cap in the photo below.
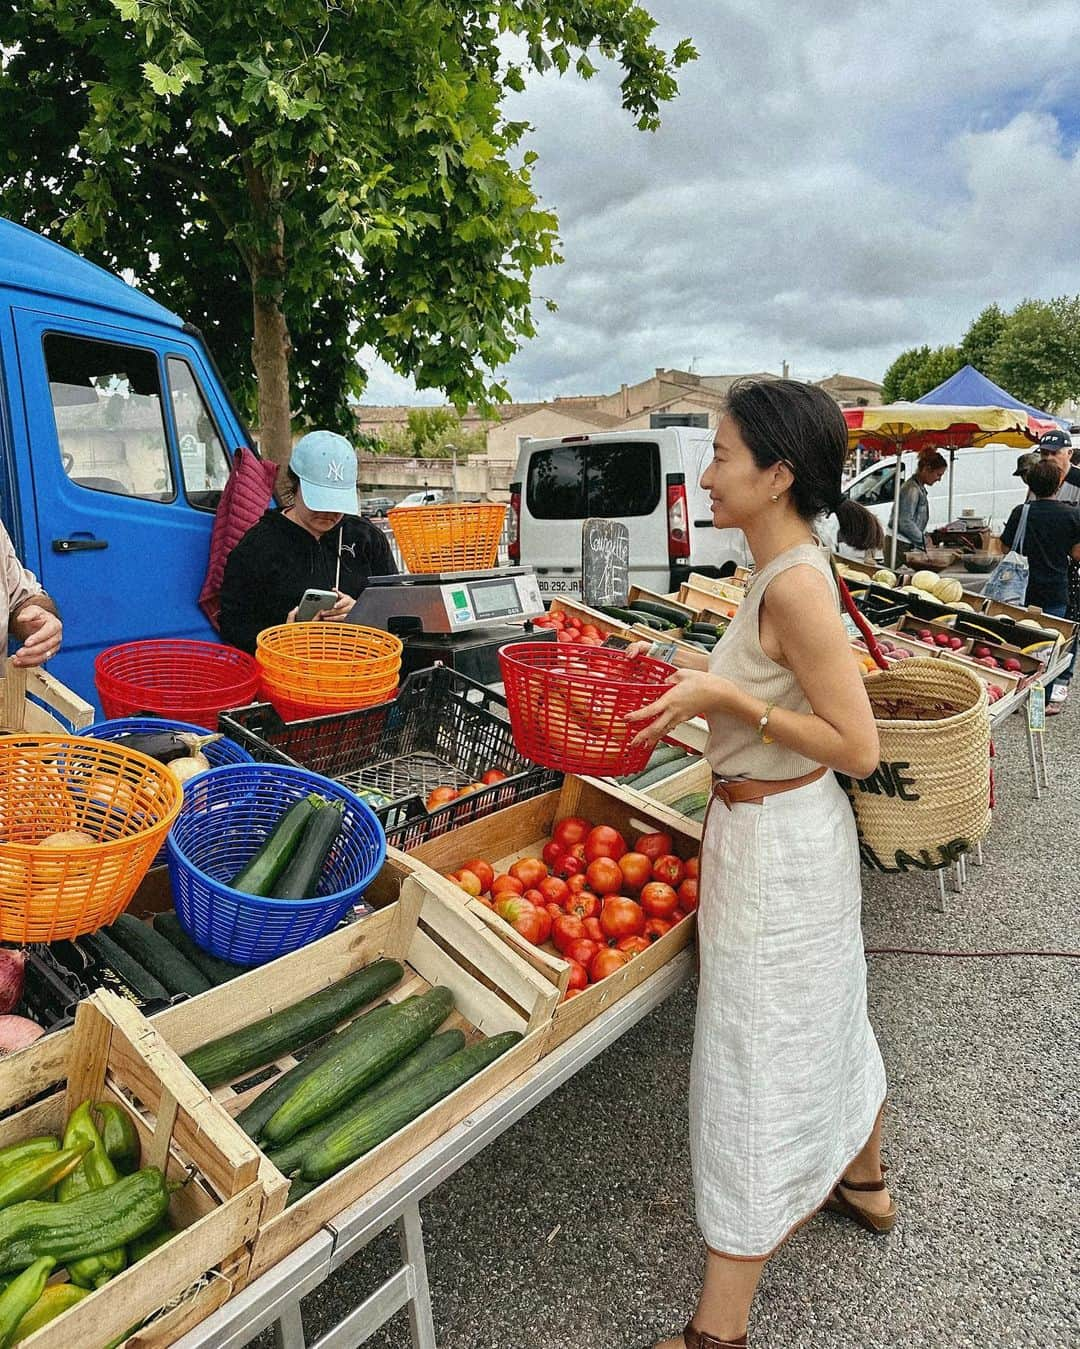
(1056, 447)
(318, 543)
(1024, 464)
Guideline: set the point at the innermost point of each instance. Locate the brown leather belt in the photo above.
(753, 791)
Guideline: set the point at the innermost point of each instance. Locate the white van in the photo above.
(982, 481)
(648, 479)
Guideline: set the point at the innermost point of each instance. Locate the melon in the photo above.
(885, 577)
(948, 589)
(924, 580)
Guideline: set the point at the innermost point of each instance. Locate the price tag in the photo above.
(850, 626)
(662, 651)
(1037, 708)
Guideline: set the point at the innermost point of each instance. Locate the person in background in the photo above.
(1051, 541)
(1024, 464)
(30, 615)
(914, 509)
(317, 543)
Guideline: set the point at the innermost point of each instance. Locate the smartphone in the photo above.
(314, 602)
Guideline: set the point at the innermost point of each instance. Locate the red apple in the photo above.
(942, 639)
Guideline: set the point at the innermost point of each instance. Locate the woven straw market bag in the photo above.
(928, 802)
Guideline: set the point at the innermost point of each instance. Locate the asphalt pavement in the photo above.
(576, 1230)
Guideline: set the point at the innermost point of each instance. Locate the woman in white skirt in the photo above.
(787, 1082)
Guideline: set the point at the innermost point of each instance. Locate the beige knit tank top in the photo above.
(735, 749)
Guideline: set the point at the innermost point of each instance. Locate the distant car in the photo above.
(373, 507)
(430, 496)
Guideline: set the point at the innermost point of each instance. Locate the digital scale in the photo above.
(457, 618)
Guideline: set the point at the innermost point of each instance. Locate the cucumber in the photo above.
(299, 1189)
(159, 956)
(277, 849)
(662, 754)
(252, 1118)
(653, 623)
(290, 1158)
(300, 879)
(232, 1055)
(373, 1124)
(652, 776)
(620, 615)
(359, 1065)
(673, 616)
(217, 971)
(705, 629)
(141, 982)
(692, 801)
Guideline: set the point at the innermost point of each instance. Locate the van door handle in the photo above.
(83, 545)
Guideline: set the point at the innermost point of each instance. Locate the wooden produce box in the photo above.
(113, 1053)
(1029, 665)
(696, 776)
(439, 942)
(610, 627)
(995, 609)
(521, 831)
(32, 700)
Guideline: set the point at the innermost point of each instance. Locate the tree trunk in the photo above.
(271, 346)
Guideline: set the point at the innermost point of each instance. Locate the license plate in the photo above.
(559, 585)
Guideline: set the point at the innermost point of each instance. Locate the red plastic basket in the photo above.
(172, 677)
(568, 705)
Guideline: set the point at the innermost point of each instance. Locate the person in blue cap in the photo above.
(317, 543)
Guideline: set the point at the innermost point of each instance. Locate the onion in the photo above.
(188, 767)
(12, 977)
(16, 1032)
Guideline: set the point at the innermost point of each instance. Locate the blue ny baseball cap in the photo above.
(325, 463)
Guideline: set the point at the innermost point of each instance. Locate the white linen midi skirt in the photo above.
(786, 1079)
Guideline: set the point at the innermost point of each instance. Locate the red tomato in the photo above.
(553, 853)
(572, 621)
(510, 906)
(576, 883)
(622, 917)
(633, 946)
(654, 845)
(504, 882)
(557, 619)
(590, 641)
(656, 927)
(570, 831)
(529, 871)
(692, 869)
(659, 900)
(566, 635)
(572, 992)
(578, 850)
(688, 895)
(636, 871)
(546, 922)
(590, 630)
(544, 621)
(582, 951)
(594, 931)
(569, 866)
(484, 871)
(585, 904)
(604, 876)
(606, 962)
(579, 978)
(555, 910)
(669, 868)
(566, 929)
(470, 882)
(483, 899)
(554, 890)
(603, 841)
(677, 917)
(535, 897)
(493, 775)
(440, 796)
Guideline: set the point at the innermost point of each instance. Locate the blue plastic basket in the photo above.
(226, 815)
(220, 752)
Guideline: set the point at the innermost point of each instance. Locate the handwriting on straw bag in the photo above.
(893, 780)
(888, 779)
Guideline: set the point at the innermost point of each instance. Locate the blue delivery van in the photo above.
(116, 437)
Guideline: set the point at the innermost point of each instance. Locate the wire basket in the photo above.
(50, 784)
(443, 729)
(448, 538)
(568, 705)
(173, 677)
(226, 816)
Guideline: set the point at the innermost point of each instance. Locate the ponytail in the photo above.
(859, 528)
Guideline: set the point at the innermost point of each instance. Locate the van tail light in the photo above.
(678, 517)
(514, 523)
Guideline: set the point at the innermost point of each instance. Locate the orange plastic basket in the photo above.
(448, 538)
(331, 651)
(125, 802)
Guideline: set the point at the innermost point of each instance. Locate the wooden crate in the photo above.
(113, 1053)
(522, 831)
(440, 942)
(32, 700)
(610, 627)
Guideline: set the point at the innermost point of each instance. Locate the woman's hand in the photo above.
(42, 633)
(341, 610)
(691, 693)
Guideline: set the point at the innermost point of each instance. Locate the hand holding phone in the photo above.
(314, 602)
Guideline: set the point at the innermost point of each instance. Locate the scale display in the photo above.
(495, 599)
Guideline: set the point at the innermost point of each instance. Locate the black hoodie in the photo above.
(276, 561)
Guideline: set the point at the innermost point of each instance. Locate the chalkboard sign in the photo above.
(605, 562)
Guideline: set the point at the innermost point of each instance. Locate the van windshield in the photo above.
(573, 482)
(877, 487)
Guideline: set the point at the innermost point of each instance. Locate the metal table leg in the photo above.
(411, 1237)
(940, 874)
(1033, 760)
(289, 1328)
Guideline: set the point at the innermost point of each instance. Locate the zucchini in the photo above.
(300, 879)
(621, 615)
(95, 1222)
(159, 956)
(652, 776)
(692, 801)
(217, 971)
(653, 623)
(258, 875)
(141, 982)
(252, 1118)
(705, 629)
(359, 1065)
(290, 1158)
(373, 1124)
(673, 616)
(662, 754)
(300, 1189)
(232, 1055)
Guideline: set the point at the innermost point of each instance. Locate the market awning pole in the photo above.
(952, 462)
(896, 511)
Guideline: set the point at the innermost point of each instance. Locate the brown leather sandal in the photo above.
(878, 1223)
(699, 1339)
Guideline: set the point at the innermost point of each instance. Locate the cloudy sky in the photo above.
(836, 181)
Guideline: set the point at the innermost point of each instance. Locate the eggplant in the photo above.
(165, 746)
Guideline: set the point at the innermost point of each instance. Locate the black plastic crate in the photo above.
(442, 730)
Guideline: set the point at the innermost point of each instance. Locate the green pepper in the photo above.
(142, 1246)
(120, 1136)
(38, 1174)
(17, 1153)
(96, 1173)
(57, 1298)
(20, 1295)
